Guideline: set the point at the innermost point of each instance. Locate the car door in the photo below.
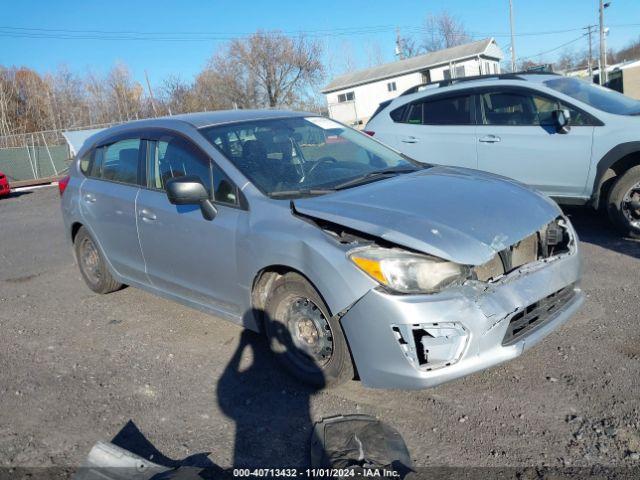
(517, 138)
(187, 255)
(439, 129)
(107, 199)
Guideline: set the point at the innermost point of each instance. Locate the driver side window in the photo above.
(524, 108)
(173, 157)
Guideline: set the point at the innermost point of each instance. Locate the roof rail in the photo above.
(453, 81)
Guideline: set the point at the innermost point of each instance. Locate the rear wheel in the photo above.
(92, 265)
(624, 202)
(302, 334)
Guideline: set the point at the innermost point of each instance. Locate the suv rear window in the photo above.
(438, 111)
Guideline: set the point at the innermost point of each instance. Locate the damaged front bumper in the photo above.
(419, 341)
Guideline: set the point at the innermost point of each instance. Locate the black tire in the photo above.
(626, 218)
(92, 265)
(290, 324)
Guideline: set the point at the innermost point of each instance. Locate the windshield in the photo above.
(295, 156)
(598, 97)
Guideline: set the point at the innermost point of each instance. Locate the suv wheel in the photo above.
(92, 265)
(302, 334)
(624, 202)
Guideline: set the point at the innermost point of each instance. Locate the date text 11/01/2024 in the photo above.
(315, 472)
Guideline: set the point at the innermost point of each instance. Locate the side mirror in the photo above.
(561, 119)
(189, 190)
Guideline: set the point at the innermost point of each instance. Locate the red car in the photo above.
(5, 188)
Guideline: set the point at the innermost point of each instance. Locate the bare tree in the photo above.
(177, 96)
(570, 59)
(374, 54)
(347, 61)
(267, 69)
(444, 31)
(68, 98)
(629, 52)
(276, 67)
(409, 47)
(125, 93)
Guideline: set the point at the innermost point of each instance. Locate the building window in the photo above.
(391, 87)
(446, 73)
(346, 97)
(426, 77)
(460, 71)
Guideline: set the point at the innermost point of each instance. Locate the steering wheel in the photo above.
(320, 161)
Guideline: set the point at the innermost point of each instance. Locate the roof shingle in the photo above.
(409, 65)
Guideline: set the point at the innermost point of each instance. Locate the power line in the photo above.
(71, 34)
(555, 48)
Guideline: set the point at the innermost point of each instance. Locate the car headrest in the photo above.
(253, 150)
(505, 100)
(128, 156)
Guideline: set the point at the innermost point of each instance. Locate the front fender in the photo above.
(302, 246)
(610, 158)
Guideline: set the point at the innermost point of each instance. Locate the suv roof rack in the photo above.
(453, 81)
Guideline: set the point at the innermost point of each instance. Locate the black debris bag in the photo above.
(361, 443)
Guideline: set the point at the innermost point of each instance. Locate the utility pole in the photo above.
(603, 59)
(399, 52)
(513, 45)
(153, 102)
(589, 29)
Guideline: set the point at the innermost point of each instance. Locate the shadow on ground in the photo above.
(17, 194)
(594, 227)
(270, 408)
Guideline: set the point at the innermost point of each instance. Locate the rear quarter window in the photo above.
(398, 114)
(85, 162)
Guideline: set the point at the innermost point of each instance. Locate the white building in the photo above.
(352, 98)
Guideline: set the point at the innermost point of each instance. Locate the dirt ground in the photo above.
(76, 367)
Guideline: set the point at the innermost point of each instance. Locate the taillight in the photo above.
(369, 132)
(62, 184)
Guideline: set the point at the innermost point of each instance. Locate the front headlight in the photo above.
(408, 272)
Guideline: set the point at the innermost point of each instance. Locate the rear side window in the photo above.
(120, 161)
(398, 114)
(175, 157)
(447, 111)
(439, 111)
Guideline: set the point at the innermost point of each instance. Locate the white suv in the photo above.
(575, 141)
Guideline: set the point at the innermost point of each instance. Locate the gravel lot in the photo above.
(76, 367)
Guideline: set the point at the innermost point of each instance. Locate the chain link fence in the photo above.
(36, 155)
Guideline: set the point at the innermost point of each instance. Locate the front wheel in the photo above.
(305, 338)
(624, 202)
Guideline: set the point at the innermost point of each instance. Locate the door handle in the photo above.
(409, 140)
(147, 215)
(89, 198)
(489, 139)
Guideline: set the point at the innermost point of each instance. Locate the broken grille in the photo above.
(552, 239)
(536, 314)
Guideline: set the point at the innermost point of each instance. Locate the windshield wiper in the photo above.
(375, 175)
(301, 192)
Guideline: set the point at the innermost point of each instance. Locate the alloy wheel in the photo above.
(631, 206)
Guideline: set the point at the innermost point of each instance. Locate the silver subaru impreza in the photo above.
(353, 259)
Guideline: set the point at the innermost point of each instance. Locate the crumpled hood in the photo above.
(456, 214)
